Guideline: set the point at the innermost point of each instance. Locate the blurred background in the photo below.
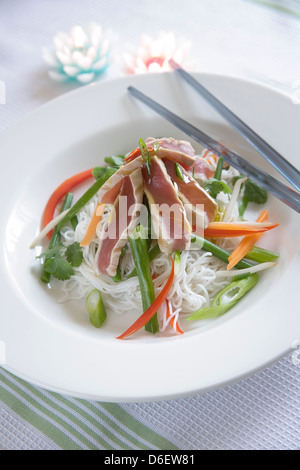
(258, 40)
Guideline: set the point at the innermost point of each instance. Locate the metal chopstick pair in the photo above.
(269, 153)
(278, 189)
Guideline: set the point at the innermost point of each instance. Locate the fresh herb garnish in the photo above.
(59, 267)
(115, 160)
(60, 260)
(55, 238)
(51, 252)
(214, 186)
(99, 171)
(251, 193)
(74, 254)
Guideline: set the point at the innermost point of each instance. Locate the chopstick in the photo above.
(284, 167)
(275, 187)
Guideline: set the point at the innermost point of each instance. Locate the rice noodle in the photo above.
(233, 199)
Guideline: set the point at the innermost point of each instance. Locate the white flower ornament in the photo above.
(81, 55)
(153, 55)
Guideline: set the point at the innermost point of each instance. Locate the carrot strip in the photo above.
(148, 314)
(246, 243)
(236, 229)
(213, 156)
(178, 329)
(91, 230)
(59, 193)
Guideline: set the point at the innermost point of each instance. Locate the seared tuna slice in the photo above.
(169, 221)
(111, 188)
(178, 150)
(121, 223)
(201, 170)
(201, 208)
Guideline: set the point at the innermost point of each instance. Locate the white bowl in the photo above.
(54, 345)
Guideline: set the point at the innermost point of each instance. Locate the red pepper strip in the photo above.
(186, 167)
(59, 193)
(134, 154)
(148, 314)
(172, 319)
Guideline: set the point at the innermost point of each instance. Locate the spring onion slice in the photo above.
(95, 307)
(145, 155)
(226, 298)
(261, 255)
(177, 258)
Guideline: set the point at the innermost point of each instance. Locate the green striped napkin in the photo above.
(76, 424)
(291, 7)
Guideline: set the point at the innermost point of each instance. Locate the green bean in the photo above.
(152, 254)
(218, 252)
(99, 171)
(219, 168)
(115, 160)
(118, 276)
(138, 245)
(261, 255)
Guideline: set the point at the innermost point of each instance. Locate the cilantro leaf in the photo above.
(74, 254)
(99, 171)
(58, 267)
(252, 193)
(214, 186)
(51, 252)
(114, 160)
